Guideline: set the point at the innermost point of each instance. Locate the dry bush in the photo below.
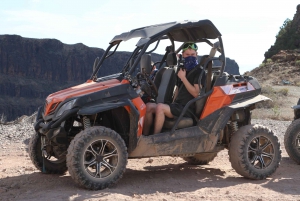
(266, 104)
(275, 114)
(284, 91)
(275, 109)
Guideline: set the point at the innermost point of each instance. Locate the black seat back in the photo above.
(165, 80)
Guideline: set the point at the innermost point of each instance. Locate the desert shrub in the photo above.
(266, 104)
(270, 93)
(297, 63)
(276, 113)
(262, 65)
(267, 90)
(269, 60)
(283, 91)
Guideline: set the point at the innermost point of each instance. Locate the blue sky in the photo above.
(248, 27)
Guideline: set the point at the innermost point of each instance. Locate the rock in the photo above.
(150, 160)
(15, 185)
(29, 169)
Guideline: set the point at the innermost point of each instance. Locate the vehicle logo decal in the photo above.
(232, 89)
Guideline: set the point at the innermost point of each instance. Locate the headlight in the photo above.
(68, 105)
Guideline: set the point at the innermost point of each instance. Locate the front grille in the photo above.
(52, 108)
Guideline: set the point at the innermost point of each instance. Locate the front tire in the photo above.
(200, 159)
(292, 141)
(97, 158)
(254, 152)
(45, 165)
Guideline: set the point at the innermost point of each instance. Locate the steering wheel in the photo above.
(147, 85)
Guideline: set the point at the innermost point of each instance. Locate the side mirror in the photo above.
(146, 66)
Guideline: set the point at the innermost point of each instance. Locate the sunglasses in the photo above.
(189, 45)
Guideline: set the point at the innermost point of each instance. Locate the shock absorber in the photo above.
(233, 126)
(86, 122)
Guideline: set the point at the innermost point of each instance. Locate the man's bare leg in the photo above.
(151, 107)
(162, 110)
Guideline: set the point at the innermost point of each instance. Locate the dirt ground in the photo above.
(164, 178)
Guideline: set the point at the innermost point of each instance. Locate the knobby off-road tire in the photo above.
(48, 166)
(254, 152)
(200, 159)
(292, 141)
(97, 158)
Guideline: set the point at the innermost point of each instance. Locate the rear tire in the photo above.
(254, 152)
(200, 159)
(97, 158)
(57, 166)
(292, 141)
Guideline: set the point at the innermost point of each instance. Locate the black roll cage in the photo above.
(144, 43)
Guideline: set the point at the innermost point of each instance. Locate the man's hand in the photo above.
(192, 89)
(181, 74)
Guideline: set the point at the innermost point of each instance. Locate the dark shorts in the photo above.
(176, 109)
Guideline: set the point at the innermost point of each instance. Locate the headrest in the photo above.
(171, 59)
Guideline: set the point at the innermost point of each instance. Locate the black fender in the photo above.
(213, 124)
(133, 115)
(103, 106)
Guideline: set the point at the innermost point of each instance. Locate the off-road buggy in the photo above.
(292, 136)
(92, 129)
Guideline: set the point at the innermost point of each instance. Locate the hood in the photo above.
(53, 100)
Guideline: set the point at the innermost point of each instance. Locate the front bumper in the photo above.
(43, 127)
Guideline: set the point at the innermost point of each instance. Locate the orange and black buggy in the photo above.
(92, 129)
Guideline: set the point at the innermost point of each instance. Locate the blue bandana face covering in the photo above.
(190, 62)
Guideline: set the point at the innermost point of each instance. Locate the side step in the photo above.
(183, 142)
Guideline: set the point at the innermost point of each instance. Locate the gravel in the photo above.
(15, 132)
(278, 127)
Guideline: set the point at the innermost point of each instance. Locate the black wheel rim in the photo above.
(261, 152)
(101, 159)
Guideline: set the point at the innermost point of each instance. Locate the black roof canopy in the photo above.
(179, 31)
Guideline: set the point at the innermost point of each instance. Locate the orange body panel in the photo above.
(140, 105)
(82, 89)
(215, 101)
